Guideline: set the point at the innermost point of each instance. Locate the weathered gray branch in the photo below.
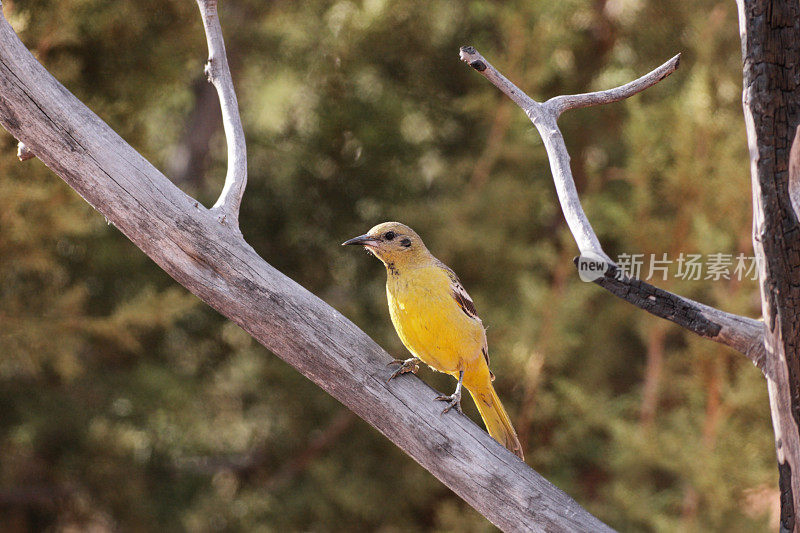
(740, 333)
(609, 96)
(219, 74)
(544, 117)
(770, 34)
(214, 262)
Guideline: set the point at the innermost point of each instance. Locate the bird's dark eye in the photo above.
(389, 235)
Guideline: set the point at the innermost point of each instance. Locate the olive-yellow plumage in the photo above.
(436, 320)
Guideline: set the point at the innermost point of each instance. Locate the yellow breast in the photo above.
(429, 321)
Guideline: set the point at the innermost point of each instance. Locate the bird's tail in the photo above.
(498, 425)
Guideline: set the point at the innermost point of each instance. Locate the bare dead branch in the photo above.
(544, 118)
(742, 334)
(23, 152)
(219, 74)
(576, 101)
(469, 55)
(213, 261)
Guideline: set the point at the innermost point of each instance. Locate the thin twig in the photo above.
(219, 74)
(609, 96)
(469, 55)
(743, 334)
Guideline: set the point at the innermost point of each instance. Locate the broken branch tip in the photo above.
(466, 51)
(469, 55)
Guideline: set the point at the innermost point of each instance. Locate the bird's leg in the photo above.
(406, 365)
(454, 400)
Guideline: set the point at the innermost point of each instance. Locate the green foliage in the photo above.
(128, 404)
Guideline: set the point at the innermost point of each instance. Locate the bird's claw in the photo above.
(453, 400)
(406, 365)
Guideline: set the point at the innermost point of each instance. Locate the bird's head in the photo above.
(393, 243)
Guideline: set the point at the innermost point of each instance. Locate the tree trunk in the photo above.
(770, 33)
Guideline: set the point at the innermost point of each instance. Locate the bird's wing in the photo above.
(462, 298)
(459, 293)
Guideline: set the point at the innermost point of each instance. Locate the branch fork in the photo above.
(218, 73)
(740, 333)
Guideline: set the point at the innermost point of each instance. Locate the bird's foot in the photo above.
(453, 400)
(406, 365)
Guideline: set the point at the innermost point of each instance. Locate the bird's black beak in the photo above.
(361, 239)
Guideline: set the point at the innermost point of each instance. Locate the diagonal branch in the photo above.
(219, 74)
(213, 261)
(745, 335)
(469, 55)
(740, 333)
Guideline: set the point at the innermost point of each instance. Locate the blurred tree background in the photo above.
(127, 404)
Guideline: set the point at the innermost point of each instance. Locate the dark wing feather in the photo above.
(459, 293)
(464, 301)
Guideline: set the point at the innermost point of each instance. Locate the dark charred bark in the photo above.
(770, 34)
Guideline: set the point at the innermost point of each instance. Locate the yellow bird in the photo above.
(436, 320)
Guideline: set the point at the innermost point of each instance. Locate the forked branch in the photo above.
(740, 333)
(214, 262)
(219, 74)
